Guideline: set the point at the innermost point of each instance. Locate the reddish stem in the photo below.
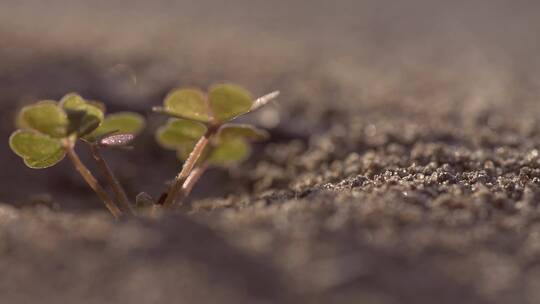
(91, 180)
(194, 156)
(118, 190)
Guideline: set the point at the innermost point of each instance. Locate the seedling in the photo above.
(49, 130)
(200, 132)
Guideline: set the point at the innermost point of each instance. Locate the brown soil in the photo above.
(403, 166)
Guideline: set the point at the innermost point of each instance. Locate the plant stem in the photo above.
(190, 181)
(194, 156)
(91, 180)
(118, 190)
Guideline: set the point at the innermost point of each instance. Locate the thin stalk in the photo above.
(176, 188)
(118, 190)
(190, 182)
(91, 180)
(194, 156)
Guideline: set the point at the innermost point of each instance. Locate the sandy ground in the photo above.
(403, 164)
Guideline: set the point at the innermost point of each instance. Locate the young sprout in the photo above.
(48, 131)
(117, 130)
(200, 132)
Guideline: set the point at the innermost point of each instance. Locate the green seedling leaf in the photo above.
(75, 119)
(83, 117)
(98, 104)
(201, 138)
(46, 117)
(242, 131)
(37, 150)
(123, 122)
(231, 145)
(73, 101)
(187, 103)
(228, 101)
(229, 151)
(180, 134)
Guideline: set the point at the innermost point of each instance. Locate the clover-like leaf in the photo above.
(228, 101)
(187, 103)
(243, 131)
(83, 117)
(98, 104)
(229, 151)
(231, 145)
(73, 101)
(46, 117)
(37, 150)
(180, 134)
(122, 122)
